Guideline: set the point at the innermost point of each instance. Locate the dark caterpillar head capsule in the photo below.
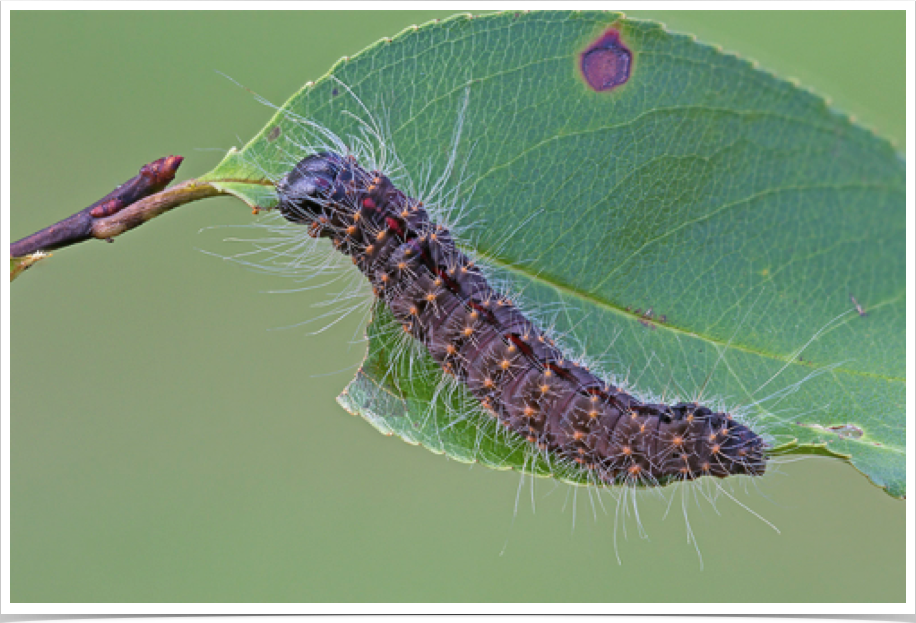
(306, 190)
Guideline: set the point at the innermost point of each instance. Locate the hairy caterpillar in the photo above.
(604, 430)
(356, 193)
(513, 368)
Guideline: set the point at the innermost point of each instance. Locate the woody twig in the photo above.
(131, 204)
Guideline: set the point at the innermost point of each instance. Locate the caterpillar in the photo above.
(515, 370)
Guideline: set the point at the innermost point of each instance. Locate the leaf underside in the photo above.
(704, 231)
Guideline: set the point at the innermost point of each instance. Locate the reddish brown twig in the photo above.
(95, 221)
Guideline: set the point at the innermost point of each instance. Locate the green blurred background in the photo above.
(172, 441)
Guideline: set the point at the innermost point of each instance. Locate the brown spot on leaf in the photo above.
(606, 63)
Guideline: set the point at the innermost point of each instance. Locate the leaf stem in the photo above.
(152, 206)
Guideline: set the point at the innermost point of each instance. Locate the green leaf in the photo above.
(707, 230)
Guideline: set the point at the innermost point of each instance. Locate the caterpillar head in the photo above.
(306, 191)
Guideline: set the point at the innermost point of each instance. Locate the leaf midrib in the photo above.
(565, 289)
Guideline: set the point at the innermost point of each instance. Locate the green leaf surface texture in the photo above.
(705, 231)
